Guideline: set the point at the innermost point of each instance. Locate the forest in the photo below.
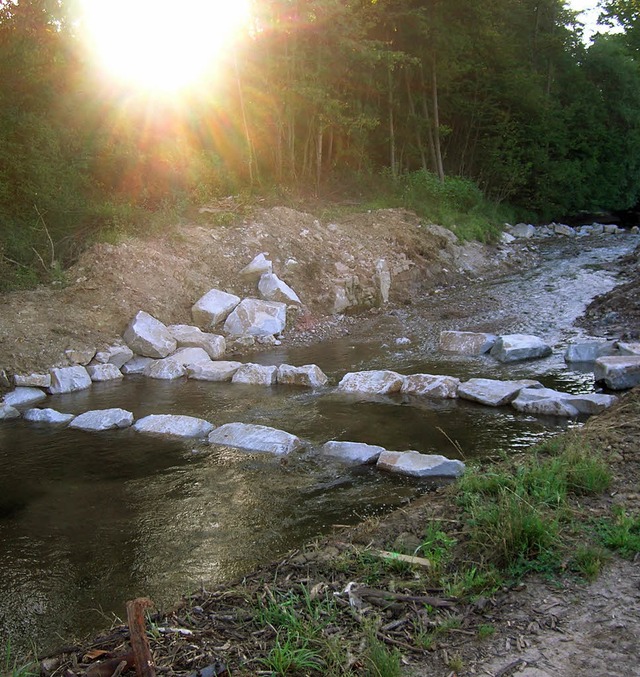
(503, 102)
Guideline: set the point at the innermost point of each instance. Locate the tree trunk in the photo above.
(436, 118)
(392, 133)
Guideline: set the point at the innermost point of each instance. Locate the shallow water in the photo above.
(88, 521)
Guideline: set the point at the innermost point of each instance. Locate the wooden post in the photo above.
(138, 636)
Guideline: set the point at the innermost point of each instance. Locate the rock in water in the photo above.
(415, 464)
(21, 397)
(517, 347)
(352, 452)
(102, 419)
(381, 382)
(467, 342)
(191, 337)
(255, 374)
(104, 372)
(69, 380)
(309, 375)
(47, 416)
(429, 385)
(490, 391)
(618, 373)
(174, 426)
(255, 318)
(149, 337)
(255, 438)
(219, 371)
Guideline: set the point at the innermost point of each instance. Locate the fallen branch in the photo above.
(138, 632)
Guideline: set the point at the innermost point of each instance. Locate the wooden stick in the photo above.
(139, 641)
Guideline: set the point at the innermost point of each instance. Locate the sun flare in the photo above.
(161, 45)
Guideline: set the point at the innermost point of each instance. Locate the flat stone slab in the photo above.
(352, 452)
(187, 336)
(212, 308)
(174, 426)
(149, 337)
(32, 380)
(21, 397)
(517, 347)
(69, 379)
(48, 416)
(255, 374)
(308, 375)
(104, 372)
(489, 391)
(252, 437)
(103, 419)
(415, 464)
(467, 342)
(545, 401)
(219, 371)
(589, 351)
(137, 365)
(7, 412)
(380, 382)
(430, 385)
(618, 373)
(165, 370)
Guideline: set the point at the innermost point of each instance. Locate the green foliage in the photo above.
(10, 667)
(620, 533)
(291, 654)
(588, 561)
(379, 661)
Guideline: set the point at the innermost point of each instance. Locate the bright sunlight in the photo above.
(161, 45)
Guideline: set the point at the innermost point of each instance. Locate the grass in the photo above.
(9, 667)
(620, 533)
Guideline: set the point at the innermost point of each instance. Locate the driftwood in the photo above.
(139, 642)
(108, 667)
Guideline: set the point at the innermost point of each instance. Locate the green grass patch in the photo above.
(620, 533)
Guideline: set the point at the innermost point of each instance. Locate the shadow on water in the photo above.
(88, 521)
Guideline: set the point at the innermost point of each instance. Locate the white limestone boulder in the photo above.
(137, 365)
(213, 308)
(50, 416)
(187, 336)
(104, 372)
(257, 268)
(272, 288)
(618, 373)
(545, 401)
(308, 375)
(624, 348)
(375, 382)
(491, 392)
(69, 379)
(517, 347)
(165, 370)
(116, 354)
(563, 229)
(252, 437)
(21, 397)
(589, 351)
(149, 337)
(430, 385)
(523, 230)
(415, 464)
(219, 371)
(255, 317)
(7, 412)
(507, 238)
(81, 356)
(383, 281)
(255, 374)
(352, 452)
(467, 342)
(102, 419)
(174, 426)
(185, 356)
(32, 380)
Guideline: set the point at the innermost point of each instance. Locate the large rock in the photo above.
(563, 229)
(7, 412)
(80, 356)
(516, 347)
(255, 374)
(618, 373)
(467, 342)
(117, 355)
(69, 379)
(104, 372)
(545, 401)
(524, 230)
(383, 281)
(174, 426)
(490, 391)
(21, 397)
(187, 336)
(624, 348)
(103, 419)
(48, 416)
(308, 375)
(272, 288)
(416, 464)
(165, 370)
(219, 371)
(255, 438)
(352, 452)
(589, 351)
(149, 337)
(212, 308)
(429, 385)
(137, 365)
(257, 268)
(255, 317)
(32, 380)
(185, 356)
(380, 382)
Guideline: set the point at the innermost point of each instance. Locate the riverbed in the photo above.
(88, 521)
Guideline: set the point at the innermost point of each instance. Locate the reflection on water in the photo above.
(88, 521)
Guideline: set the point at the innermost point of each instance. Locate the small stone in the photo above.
(7, 412)
(259, 266)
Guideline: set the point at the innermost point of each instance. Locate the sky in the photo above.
(590, 16)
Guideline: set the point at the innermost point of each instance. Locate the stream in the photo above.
(88, 521)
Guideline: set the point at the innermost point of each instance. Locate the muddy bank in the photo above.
(165, 276)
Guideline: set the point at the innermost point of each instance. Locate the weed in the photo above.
(378, 660)
(455, 663)
(291, 653)
(486, 630)
(11, 668)
(588, 561)
(621, 533)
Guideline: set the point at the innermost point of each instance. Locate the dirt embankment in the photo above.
(323, 262)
